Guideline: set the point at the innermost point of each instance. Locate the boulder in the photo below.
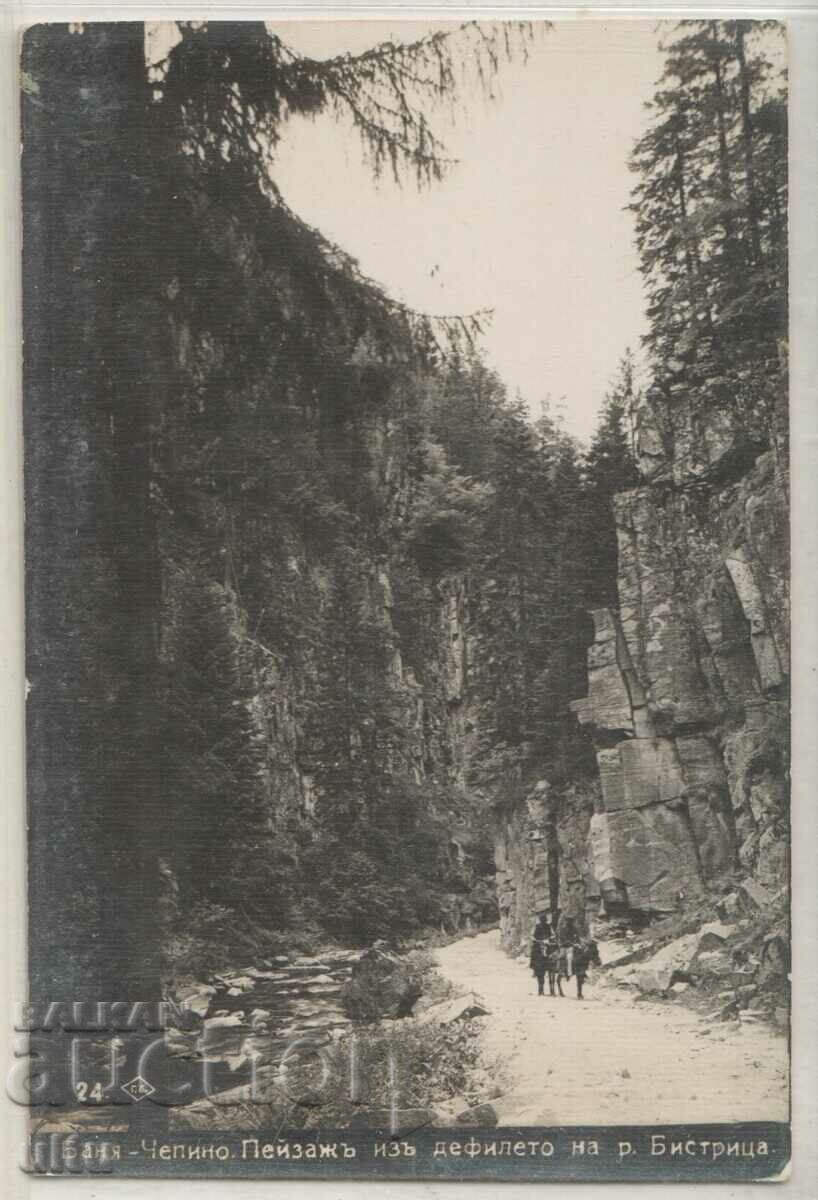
(717, 963)
(381, 986)
(342, 957)
(198, 1000)
(714, 935)
(755, 895)
(464, 1008)
(621, 957)
(270, 969)
(656, 974)
(236, 984)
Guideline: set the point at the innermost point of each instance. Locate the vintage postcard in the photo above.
(406, 507)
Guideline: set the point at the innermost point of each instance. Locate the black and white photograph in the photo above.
(406, 473)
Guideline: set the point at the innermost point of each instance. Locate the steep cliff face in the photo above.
(543, 864)
(687, 683)
(687, 698)
(311, 679)
(315, 678)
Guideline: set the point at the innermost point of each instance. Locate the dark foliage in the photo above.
(711, 211)
(609, 468)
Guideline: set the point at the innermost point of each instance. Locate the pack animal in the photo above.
(544, 961)
(575, 960)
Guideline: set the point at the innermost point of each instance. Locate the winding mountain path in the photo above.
(610, 1059)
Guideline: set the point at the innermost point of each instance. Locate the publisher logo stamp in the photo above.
(138, 1088)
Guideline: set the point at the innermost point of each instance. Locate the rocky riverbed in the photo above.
(258, 1013)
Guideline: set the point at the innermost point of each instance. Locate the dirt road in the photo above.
(610, 1059)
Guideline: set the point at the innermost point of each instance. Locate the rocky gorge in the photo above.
(687, 701)
(346, 661)
(354, 576)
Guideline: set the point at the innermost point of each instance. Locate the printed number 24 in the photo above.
(84, 1094)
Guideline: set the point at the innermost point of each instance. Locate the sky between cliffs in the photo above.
(530, 222)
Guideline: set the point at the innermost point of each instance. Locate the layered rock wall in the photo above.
(687, 696)
(687, 701)
(541, 852)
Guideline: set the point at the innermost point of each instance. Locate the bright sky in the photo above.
(530, 222)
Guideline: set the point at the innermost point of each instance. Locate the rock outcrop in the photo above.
(687, 700)
(381, 985)
(541, 854)
(687, 681)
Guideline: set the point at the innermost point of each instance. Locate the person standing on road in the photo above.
(542, 940)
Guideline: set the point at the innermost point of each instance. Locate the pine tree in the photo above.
(527, 598)
(709, 205)
(609, 468)
(465, 402)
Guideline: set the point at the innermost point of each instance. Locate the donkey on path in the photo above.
(575, 960)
